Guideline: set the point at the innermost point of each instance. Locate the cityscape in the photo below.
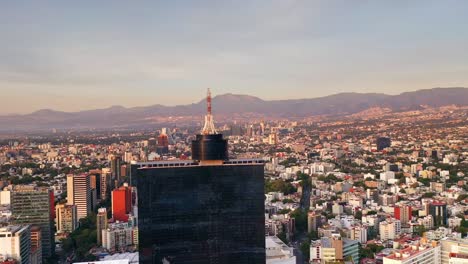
(371, 187)
(234, 132)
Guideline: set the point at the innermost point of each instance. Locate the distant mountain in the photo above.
(229, 105)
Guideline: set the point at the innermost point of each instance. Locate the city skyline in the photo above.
(171, 52)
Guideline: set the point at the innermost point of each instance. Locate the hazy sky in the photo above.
(72, 55)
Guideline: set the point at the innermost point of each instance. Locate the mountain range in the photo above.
(230, 105)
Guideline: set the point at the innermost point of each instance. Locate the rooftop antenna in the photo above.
(209, 128)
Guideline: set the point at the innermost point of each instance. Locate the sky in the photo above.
(76, 55)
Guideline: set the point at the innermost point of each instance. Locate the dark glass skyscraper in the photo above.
(206, 210)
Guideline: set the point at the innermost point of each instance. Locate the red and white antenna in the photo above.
(209, 128)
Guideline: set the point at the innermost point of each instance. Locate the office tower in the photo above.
(383, 142)
(121, 203)
(438, 211)
(15, 243)
(124, 171)
(31, 205)
(36, 245)
(101, 223)
(163, 144)
(95, 183)
(105, 184)
(206, 210)
(67, 218)
(79, 194)
(116, 162)
(403, 213)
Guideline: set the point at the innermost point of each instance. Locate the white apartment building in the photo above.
(415, 254)
(15, 243)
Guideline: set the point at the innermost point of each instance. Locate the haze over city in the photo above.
(234, 132)
(72, 56)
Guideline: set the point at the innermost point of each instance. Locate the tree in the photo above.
(301, 219)
(305, 249)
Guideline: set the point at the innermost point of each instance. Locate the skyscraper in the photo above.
(101, 224)
(31, 205)
(206, 210)
(121, 203)
(79, 194)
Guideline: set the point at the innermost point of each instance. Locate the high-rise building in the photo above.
(31, 205)
(67, 218)
(206, 210)
(101, 223)
(116, 162)
(163, 144)
(121, 203)
(36, 244)
(383, 142)
(403, 213)
(79, 194)
(15, 243)
(95, 183)
(105, 183)
(438, 211)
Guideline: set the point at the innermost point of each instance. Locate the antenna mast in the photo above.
(209, 128)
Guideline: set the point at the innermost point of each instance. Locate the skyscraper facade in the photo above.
(79, 194)
(121, 203)
(206, 210)
(31, 205)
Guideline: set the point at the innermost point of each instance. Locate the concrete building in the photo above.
(117, 236)
(101, 224)
(415, 254)
(403, 213)
(5, 197)
(15, 243)
(334, 248)
(79, 194)
(313, 221)
(389, 229)
(451, 246)
(66, 218)
(358, 233)
(277, 252)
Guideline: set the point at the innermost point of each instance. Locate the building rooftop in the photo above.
(408, 252)
(12, 228)
(192, 163)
